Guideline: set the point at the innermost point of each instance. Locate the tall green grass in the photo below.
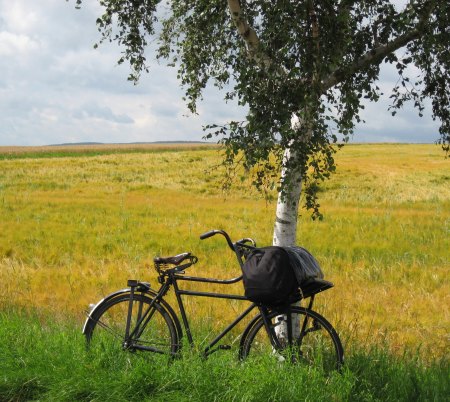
(45, 359)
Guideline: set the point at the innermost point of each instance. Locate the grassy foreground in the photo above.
(46, 360)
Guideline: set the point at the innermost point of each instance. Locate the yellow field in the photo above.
(12, 150)
(75, 228)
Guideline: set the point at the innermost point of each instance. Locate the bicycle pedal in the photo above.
(224, 347)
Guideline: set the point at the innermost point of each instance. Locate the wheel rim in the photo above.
(107, 327)
(315, 343)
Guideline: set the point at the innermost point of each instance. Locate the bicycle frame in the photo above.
(172, 280)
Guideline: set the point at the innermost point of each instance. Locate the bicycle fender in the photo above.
(105, 299)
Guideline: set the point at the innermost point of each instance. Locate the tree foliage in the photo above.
(314, 59)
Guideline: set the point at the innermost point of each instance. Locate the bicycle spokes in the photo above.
(312, 340)
(148, 325)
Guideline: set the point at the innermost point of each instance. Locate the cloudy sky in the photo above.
(55, 88)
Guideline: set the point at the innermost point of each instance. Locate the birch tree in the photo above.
(302, 69)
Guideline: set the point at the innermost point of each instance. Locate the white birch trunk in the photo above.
(285, 230)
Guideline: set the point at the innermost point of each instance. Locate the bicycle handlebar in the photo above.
(208, 234)
(218, 231)
(246, 240)
(237, 247)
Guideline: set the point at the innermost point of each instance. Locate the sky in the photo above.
(56, 88)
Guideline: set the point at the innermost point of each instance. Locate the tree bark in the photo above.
(285, 230)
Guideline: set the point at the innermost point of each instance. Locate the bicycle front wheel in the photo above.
(106, 327)
(314, 341)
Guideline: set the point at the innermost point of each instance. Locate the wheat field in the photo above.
(76, 224)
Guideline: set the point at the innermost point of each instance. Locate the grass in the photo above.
(75, 228)
(45, 359)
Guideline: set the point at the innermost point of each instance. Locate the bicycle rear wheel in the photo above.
(106, 327)
(314, 341)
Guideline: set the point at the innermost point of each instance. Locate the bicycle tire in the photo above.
(317, 345)
(106, 327)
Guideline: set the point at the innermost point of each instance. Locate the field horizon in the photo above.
(4, 149)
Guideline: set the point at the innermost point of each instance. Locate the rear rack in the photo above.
(313, 286)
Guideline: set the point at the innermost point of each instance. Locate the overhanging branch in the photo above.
(371, 57)
(377, 54)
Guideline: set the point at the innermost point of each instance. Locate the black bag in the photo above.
(268, 276)
(304, 264)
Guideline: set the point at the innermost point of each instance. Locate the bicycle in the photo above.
(138, 318)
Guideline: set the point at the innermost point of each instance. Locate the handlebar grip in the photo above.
(208, 234)
(223, 233)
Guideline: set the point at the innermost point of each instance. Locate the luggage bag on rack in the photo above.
(272, 275)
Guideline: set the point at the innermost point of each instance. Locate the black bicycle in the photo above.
(139, 318)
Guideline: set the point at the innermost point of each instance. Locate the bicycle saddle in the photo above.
(175, 260)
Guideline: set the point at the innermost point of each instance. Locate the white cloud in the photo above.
(55, 88)
(100, 112)
(19, 16)
(11, 44)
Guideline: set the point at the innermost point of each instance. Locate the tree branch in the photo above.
(371, 57)
(315, 39)
(314, 25)
(345, 6)
(377, 54)
(248, 34)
